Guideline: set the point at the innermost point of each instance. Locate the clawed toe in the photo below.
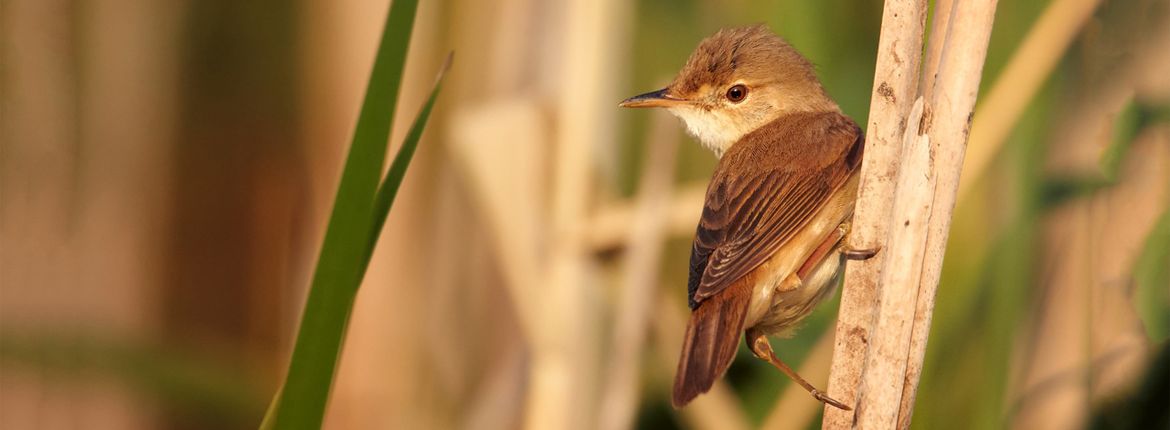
(829, 400)
(860, 254)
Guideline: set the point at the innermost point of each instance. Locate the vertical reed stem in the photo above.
(948, 124)
(885, 316)
(895, 88)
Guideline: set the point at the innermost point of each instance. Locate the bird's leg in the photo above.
(759, 345)
(848, 250)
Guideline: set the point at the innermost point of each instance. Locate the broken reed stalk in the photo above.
(885, 315)
(948, 124)
(938, 29)
(895, 88)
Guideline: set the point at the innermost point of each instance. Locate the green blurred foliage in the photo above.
(199, 388)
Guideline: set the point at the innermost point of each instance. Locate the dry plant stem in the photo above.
(1071, 363)
(493, 404)
(610, 226)
(88, 132)
(938, 28)
(1019, 81)
(1125, 216)
(950, 112)
(562, 393)
(1051, 394)
(895, 88)
(644, 250)
(506, 134)
(881, 386)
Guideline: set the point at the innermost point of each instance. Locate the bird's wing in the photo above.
(746, 219)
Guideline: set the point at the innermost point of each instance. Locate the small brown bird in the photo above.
(771, 241)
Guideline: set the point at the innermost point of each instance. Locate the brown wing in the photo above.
(748, 216)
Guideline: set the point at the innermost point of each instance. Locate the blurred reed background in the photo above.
(166, 170)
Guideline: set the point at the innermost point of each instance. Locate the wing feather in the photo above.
(778, 187)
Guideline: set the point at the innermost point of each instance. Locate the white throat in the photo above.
(713, 130)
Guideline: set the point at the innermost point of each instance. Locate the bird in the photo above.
(773, 235)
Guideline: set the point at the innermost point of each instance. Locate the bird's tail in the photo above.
(709, 346)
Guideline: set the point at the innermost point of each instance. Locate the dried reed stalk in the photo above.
(506, 133)
(1092, 242)
(610, 226)
(619, 398)
(1050, 369)
(1125, 216)
(895, 327)
(1072, 364)
(886, 362)
(895, 88)
(947, 122)
(562, 394)
(938, 28)
(494, 404)
(88, 96)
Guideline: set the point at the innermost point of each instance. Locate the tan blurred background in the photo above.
(166, 169)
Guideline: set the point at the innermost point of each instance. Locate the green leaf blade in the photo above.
(302, 400)
(384, 199)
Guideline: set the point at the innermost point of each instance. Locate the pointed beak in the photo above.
(660, 98)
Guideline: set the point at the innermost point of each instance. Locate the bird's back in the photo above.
(811, 141)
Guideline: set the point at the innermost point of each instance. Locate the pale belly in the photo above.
(789, 308)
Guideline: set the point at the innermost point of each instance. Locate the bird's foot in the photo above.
(860, 254)
(824, 398)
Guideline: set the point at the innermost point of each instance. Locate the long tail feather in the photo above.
(709, 346)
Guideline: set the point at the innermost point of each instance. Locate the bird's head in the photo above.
(736, 81)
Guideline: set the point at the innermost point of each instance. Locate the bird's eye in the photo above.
(736, 93)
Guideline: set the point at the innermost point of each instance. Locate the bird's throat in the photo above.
(716, 132)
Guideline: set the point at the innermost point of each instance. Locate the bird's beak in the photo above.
(660, 98)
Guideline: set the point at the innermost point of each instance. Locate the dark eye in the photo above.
(736, 93)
